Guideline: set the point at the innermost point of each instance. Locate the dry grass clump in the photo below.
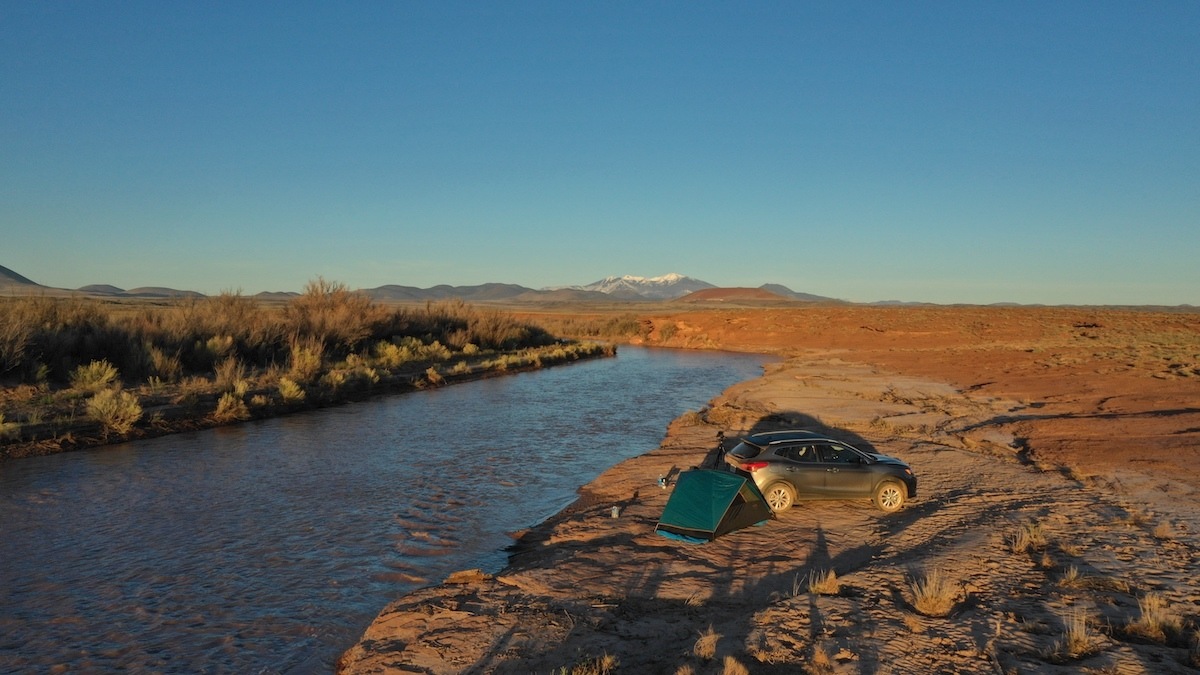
(731, 666)
(1077, 639)
(1028, 536)
(116, 411)
(933, 593)
(1158, 622)
(1072, 578)
(600, 665)
(824, 583)
(820, 663)
(706, 645)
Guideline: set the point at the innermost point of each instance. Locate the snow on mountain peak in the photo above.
(667, 286)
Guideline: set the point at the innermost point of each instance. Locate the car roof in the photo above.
(766, 438)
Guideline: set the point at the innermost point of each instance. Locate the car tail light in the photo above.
(754, 466)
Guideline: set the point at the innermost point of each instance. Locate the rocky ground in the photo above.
(1057, 458)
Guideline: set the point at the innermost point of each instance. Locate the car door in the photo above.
(802, 470)
(847, 473)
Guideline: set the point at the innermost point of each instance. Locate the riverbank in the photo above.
(1061, 546)
(166, 409)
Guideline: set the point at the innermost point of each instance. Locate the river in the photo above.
(268, 547)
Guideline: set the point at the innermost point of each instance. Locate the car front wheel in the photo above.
(889, 497)
(780, 496)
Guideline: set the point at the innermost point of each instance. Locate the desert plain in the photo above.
(1058, 457)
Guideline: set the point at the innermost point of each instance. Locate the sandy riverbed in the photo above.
(994, 420)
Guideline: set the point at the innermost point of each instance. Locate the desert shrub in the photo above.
(260, 401)
(230, 376)
(94, 376)
(16, 334)
(329, 313)
(933, 593)
(116, 411)
(470, 349)
(166, 366)
(667, 331)
(334, 379)
(433, 376)
(367, 376)
(307, 359)
(231, 408)
(290, 391)
(8, 429)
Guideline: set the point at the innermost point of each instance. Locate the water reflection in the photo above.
(269, 546)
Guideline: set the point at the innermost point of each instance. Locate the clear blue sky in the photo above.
(1040, 152)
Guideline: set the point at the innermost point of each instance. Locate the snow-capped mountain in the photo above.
(666, 287)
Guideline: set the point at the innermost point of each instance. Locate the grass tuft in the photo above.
(824, 583)
(1158, 622)
(1028, 536)
(1077, 639)
(934, 594)
(731, 666)
(600, 665)
(706, 645)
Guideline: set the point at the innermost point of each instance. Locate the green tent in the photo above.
(706, 504)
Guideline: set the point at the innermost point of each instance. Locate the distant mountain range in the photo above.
(628, 288)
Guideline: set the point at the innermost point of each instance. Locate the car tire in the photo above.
(889, 496)
(780, 496)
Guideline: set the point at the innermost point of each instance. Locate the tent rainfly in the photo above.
(707, 504)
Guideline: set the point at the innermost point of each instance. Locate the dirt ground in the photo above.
(1056, 451)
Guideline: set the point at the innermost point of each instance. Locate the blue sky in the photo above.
(1039, 152)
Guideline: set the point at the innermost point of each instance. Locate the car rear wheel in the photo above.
(889, 497)
(780, 496)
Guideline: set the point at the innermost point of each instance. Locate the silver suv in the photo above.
(791, 465)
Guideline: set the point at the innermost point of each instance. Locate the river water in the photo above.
(269, 546)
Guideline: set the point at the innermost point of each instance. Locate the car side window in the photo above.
(835, 454)
(798, 453)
